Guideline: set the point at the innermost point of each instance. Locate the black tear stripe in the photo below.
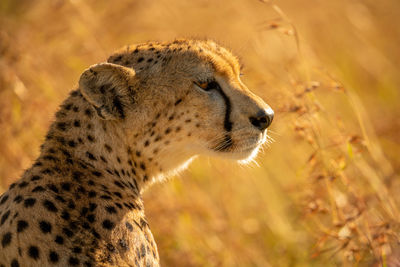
(227, 143)
(227, 122)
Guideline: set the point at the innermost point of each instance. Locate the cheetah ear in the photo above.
(109, 88)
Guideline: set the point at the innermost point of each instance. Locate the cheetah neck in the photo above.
(102, 148)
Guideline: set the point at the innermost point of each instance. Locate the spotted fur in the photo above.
(133, 120)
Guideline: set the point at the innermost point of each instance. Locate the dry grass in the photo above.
(325, 192)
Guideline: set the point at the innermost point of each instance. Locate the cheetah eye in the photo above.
(207, 86)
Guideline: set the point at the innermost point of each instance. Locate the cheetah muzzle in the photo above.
(141, 116)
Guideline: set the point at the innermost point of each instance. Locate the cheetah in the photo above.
(132, 121)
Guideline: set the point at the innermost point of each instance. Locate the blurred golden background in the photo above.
(326, 192)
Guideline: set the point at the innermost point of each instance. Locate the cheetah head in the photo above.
(178, 100)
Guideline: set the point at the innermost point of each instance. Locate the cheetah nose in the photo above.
(263, 119)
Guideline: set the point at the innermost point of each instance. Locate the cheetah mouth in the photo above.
(241, 147)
